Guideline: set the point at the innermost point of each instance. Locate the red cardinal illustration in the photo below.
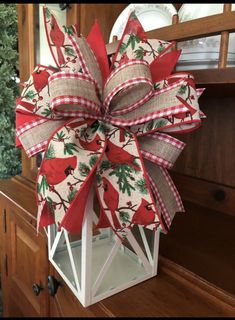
(47, 217)
(75, 124)
(124, 58)
(57, 37)
(57, 169)
(118, 155)
(183, 115)
(111, 199)
(134, 26)
(144, 215)
(94, 145)
(40, 79)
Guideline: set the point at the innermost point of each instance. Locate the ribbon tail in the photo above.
(123, 187)
(103, 221)
(165, 192)
(73, 218)
(46, 217)
(66, 174)
(162, 66)
(97, 44)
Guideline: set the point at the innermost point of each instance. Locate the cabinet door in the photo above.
(3, 252)
(65, 304)
(27, 266)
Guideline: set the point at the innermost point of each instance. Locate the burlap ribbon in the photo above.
(104, 132)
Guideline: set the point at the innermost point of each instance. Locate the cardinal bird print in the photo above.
(40, 79)
(144, 215)
(56, 170)
(120, 180)
(57, 37)
(65, 168)
(94, 145)
(111, 200)
(118, 155)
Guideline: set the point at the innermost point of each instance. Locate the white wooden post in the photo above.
(86, 257)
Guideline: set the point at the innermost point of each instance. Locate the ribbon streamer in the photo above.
(107, 127)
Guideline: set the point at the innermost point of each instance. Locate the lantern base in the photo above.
(124, 270)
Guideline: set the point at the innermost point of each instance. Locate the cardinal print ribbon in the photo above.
(106, 127)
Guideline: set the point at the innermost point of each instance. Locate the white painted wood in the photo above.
(86, 262)
(139, 252)
(49, 240)
(155, 251)
(55, 243)
(72, 261)
(106, 266)
(45, 230)
(120, 288)
(64, 277)
(114, 267)
(146, 245)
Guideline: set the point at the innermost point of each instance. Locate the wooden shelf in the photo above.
(197, 28)
(214, 76)
(202, 27)
(218, 82)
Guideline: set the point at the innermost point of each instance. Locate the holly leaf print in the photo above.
(133, 39)
(30, 94)
(70, 148)
(48, 14)
(160, 49)
(50, 204)
(68, 30)
(160, 123)
(124, 173)
(47, 112)
(83, 169)
(50, 153)
(139, 53)
(149, 125)
(124, 216)
(60, 135)
(122, 48)
(157, 86)
(43, 186)
(182, 89)
(72, 194)
(105, 165)
(141, 185)
(69, 51)
(93, 160)
(99, 179)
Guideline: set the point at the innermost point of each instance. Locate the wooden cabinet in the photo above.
(197, 260)
(24, 263)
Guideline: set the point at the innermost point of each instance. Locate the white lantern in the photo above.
(98, 264)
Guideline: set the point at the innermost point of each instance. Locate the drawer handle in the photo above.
(37, 289)
(53, 285)
(219, 195)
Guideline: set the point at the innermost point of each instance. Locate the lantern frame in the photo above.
(133, 265)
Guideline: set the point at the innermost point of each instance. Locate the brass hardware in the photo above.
(37, 289)
(53, 285)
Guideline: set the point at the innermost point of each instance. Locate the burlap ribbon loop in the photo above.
(128, 86)
(72, 93)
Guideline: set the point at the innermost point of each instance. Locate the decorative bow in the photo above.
(100, 126)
